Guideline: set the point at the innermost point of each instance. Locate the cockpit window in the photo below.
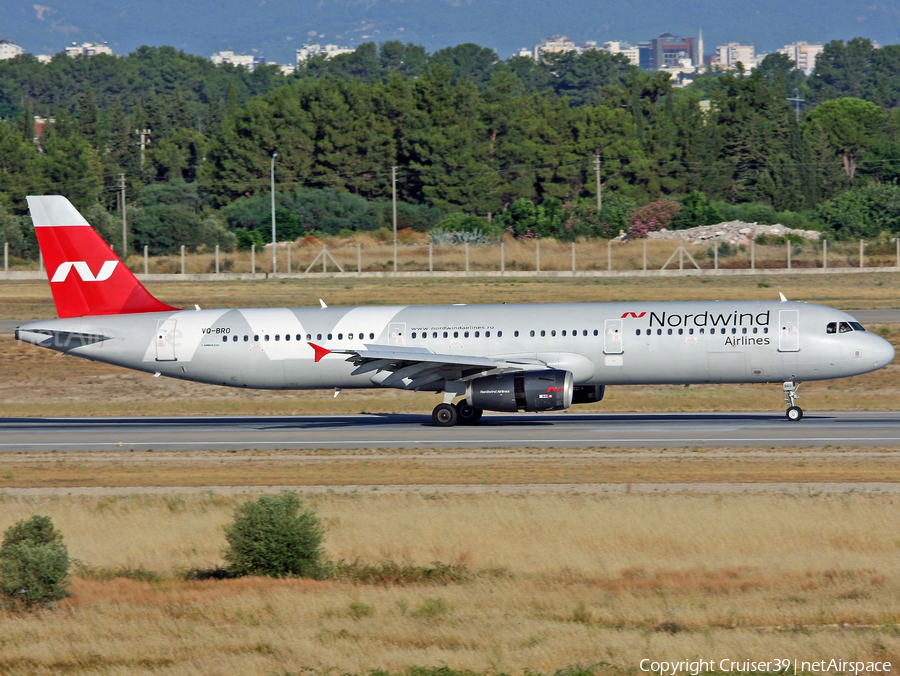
(843, 327)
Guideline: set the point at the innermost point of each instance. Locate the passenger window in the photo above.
(434, 335)
(224, 339)
(255, 339)
(596, 332)
(246, 338)
(308, 336)
(477, 334)
(277, 336)
(329, 336)
(691, 332)
(553, 332)
(487, 334)
(638, 332)
(446, 334)
(532, 334)
(765, 329)
(584, 333)
(755, 329)
(499, 334)
(564, 332)
(543, 333)
(516, 334)
(413, 334)
(466, 334)
(372, 336)
(318, 336)
(658, 332)
(234, 340)
(267, 337)
(456, 334)
(744, 330)
(702, 331)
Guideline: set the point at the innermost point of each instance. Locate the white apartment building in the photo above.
(555, 44)
(88, 49)
(628, 51)
(803, 55)
(9, 49)
(247, 61)
(328, 51)
(733, 53)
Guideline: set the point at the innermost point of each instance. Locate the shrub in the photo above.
(655, 216)
(34, 564)
(274, 536)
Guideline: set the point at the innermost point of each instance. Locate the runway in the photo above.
(572, 431)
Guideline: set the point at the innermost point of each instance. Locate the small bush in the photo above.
(275, 537)
(359, 610)
(389, 573)
(34, 564)
(431, 609)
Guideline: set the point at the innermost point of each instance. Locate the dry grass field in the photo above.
(558, 580)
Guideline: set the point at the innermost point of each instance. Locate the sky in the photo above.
(274, 29)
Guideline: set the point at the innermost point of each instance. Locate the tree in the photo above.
(851, 127)
(274, 536)
(34, 563)
(863, 212)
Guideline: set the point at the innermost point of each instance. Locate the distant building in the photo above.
(328, 51)
(526, 53)
(555, 44)
(733, 53)
(9, 49)
(628, 51)
(248, 61)
(88, 49)
(671, 53)
(803, 55)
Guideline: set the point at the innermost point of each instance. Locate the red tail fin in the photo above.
(86, 277)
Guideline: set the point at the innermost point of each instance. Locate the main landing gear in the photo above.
(793, 412)
(447, 415)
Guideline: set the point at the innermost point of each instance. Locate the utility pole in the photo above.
(124, 226)
(597, 171)
(272, 179)
(394, 204)
(144, 142)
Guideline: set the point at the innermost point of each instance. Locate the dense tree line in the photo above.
(509, 145)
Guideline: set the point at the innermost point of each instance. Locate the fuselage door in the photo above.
(165, 340)
(612, 336)
(397, 333)
(788, 330)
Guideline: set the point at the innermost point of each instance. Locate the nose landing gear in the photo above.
(793, 412)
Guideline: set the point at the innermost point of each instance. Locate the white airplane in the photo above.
(530, 357)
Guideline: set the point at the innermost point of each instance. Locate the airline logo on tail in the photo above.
(83, 270)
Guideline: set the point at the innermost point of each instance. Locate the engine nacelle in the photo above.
(550, 390)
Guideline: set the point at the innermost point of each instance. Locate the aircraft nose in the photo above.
(884, 352)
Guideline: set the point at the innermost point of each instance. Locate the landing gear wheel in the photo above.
(444, 415)
(467, 414)
(794, 413)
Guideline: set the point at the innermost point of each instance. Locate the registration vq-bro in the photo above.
(781, 665)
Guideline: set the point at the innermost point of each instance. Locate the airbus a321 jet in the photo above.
(527, 357)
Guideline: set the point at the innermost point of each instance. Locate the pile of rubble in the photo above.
(733, 232)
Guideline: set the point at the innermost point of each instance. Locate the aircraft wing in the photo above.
(421, 366)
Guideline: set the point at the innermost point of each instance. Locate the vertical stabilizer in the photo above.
(86, 277)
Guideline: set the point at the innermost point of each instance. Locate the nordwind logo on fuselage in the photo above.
(708, 319)
(83, 270)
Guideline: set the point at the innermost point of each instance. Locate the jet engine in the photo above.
(549, 390)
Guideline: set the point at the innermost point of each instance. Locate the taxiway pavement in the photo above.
(613, 430)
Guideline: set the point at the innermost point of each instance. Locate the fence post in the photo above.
(217, 259)
(573, 257)
(6, 256)
(253, 259)
(537, 255)
(645, 255)
(861, 249)
(182, 259)
(716, 256)
(467, 258)
(503, 256)
(40, 261)
(753, 253)
(359, 258)
(788, 254)
(146, 259)
(609, 255)
(289, 258)
(824, 254)
(430, 256)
